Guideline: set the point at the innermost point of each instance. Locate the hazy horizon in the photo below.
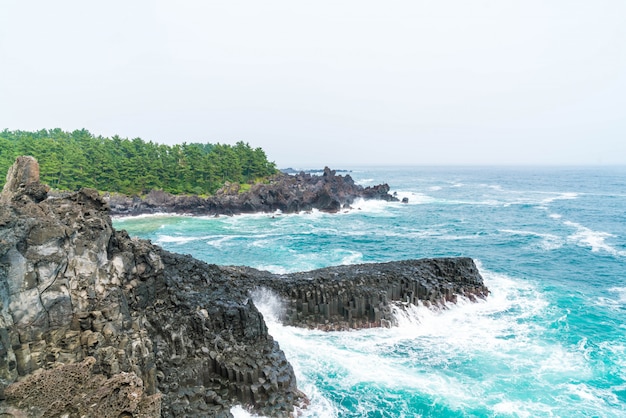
(354, 83)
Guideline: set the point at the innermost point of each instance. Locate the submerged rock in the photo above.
(129, 329)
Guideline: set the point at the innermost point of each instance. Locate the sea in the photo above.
(548, 341)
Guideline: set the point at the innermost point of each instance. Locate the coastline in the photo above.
(302, 192)
(129, 326)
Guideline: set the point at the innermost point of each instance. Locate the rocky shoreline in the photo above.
(96, 323)
(287, 193)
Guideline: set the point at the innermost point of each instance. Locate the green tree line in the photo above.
(71, 160)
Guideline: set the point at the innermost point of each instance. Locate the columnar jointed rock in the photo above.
(287, 193)
(72, 288)
(362, 296)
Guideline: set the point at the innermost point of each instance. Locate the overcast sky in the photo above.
(328, 82)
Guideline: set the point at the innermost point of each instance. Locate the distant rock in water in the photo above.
(95, 323)
(287, 193)
(290, 170)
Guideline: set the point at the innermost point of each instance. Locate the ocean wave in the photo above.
(522, 409)
(415, 198)
(353, 257)
(379, 207)
(124, 218)
(621, 292)
(219, 241)
(548, 241)
(560, 196)
(587, 237)
(176, 239)
(615, 303)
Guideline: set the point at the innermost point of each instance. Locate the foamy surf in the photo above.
(596, 240)
(427, 341)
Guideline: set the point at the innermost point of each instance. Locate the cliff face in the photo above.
(155, 328)
(287, 193)
(95, 323)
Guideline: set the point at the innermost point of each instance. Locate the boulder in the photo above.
(22, 181)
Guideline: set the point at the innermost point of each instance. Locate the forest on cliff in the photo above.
(71, 160)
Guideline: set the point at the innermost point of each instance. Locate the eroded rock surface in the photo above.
(73, 288)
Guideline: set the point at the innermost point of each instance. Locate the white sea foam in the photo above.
(590, 398)
(522, 409)
(560, 196)
(239, 412)
(219, 241)
(370, 206)
(123, 218)
(555, 216)
(587, 237)
(614, 303)
(262, 243)
(621, 292)
(435, 188)
(415, 198)
(364, 182)
(548, 241)
(352, 257)
(175, 239)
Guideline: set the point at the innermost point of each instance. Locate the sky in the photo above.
(339, 83)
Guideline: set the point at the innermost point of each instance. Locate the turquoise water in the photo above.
(549, 341)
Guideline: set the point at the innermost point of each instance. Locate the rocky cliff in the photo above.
(146, 332)
(95, 323)
(288, 193)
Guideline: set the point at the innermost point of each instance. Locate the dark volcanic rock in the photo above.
(73, 288)
(287, 193)
(365, 295)
(95, 323)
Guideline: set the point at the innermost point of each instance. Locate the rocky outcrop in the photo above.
(95, 323)
(23, 180)
(72, 289)
(365, 295)
(288, 193)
